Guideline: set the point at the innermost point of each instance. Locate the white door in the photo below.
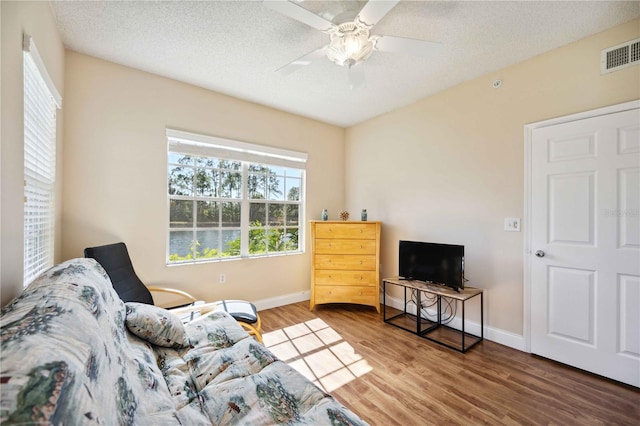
(585, 244)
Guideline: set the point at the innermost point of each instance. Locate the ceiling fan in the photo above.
(350, 41)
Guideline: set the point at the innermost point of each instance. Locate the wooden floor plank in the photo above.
(392, 377)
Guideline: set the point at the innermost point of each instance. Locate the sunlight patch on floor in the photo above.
(318, 352)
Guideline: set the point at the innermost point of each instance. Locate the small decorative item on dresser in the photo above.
(363, 215)
(344, 215)
(325, 215)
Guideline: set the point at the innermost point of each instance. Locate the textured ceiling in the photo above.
(234, 47)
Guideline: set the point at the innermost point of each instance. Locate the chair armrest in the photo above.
(173, 291)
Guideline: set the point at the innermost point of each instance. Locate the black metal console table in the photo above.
(436, 331)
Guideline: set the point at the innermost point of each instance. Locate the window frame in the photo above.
(247, 155)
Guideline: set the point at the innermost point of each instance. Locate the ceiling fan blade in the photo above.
(375, 10)
(301, 62)
(356, 76)
(299, 13)
(409, 46)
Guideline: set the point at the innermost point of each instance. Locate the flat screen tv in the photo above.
(432, 262)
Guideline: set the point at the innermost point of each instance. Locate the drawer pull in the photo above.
(360, 245)
(360, 294)
(360, 277)
(361, 262)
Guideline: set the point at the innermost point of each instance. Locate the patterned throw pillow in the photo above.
(156, 325)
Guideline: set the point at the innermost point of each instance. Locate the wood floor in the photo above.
(391, 377)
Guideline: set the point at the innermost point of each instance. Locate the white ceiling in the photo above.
(234, 47)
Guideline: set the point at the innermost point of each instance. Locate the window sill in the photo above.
(231, 259)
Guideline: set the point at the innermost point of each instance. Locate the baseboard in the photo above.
(496, 335)
(286, 299)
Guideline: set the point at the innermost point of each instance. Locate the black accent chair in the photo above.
(116, 261)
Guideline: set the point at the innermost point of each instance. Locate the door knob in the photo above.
(539, 253)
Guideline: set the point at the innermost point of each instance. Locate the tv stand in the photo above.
(436, 331)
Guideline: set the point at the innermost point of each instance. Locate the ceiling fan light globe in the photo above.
(350, 43)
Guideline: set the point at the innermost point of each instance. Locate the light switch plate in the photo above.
(512, 224)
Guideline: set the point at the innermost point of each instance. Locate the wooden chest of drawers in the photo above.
(345, 265)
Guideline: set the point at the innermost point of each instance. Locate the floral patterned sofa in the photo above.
(73, 353)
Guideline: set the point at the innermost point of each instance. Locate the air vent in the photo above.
(620, 56)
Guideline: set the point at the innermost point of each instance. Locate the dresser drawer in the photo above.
(342, 246)
(366, 231)
(345, 262)
(349, 278)
(355, 294)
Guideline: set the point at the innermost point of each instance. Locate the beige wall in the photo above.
(116, 170)
(35, 19)
(450, 167)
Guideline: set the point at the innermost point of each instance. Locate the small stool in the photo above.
(245, 313)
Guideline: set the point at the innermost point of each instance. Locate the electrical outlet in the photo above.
(223, 278)
(512, 224)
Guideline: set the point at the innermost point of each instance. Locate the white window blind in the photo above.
(40, 103)
(195, 144)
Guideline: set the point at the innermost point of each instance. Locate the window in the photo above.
(231, 199)
(40, 102)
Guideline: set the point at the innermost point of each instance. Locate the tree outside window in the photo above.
(214, 202)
